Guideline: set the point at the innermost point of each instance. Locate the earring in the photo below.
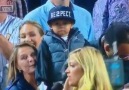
(20, 71)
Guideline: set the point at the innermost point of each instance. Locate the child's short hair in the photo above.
(61, 12)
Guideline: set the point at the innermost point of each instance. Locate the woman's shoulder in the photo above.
(19, 84)
(12, 86)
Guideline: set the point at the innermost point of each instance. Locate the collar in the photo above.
(21, 82)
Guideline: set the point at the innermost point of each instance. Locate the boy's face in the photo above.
(61, 27)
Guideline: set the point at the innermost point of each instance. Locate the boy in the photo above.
(82, 16)
(56, 45)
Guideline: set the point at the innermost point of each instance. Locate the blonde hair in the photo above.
(13, 71)
(95, 74)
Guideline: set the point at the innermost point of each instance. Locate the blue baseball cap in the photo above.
(61, 12)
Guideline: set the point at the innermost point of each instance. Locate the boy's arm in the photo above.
(43, 68)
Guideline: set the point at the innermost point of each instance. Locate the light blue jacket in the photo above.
(82, 17)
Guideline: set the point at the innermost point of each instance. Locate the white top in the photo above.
(42, 86)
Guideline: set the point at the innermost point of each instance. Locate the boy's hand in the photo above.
(126, 87)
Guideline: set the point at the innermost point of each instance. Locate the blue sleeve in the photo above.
(91, 33)
(39, 16)
(98, 17)
(30, 16)
(34, 15)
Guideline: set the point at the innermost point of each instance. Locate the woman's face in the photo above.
(26, 60)
(74, 73)
(31, 34)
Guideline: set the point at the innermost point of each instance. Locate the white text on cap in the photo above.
(61, 13)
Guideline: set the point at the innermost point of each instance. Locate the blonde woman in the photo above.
(86, 71)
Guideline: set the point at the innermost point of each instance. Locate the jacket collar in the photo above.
(21, 82)
(73, 32)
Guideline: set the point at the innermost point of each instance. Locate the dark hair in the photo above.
(117, 31)
(123, 36)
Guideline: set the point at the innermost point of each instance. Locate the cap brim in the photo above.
(60, 18)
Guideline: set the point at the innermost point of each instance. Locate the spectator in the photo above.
(8, 35)
(84, 71)
(116, 42)
(22, 67)
(30, 32)
(56, 45)
(82, 17)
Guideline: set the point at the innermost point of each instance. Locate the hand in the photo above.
(126, 86)
(67, 86)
